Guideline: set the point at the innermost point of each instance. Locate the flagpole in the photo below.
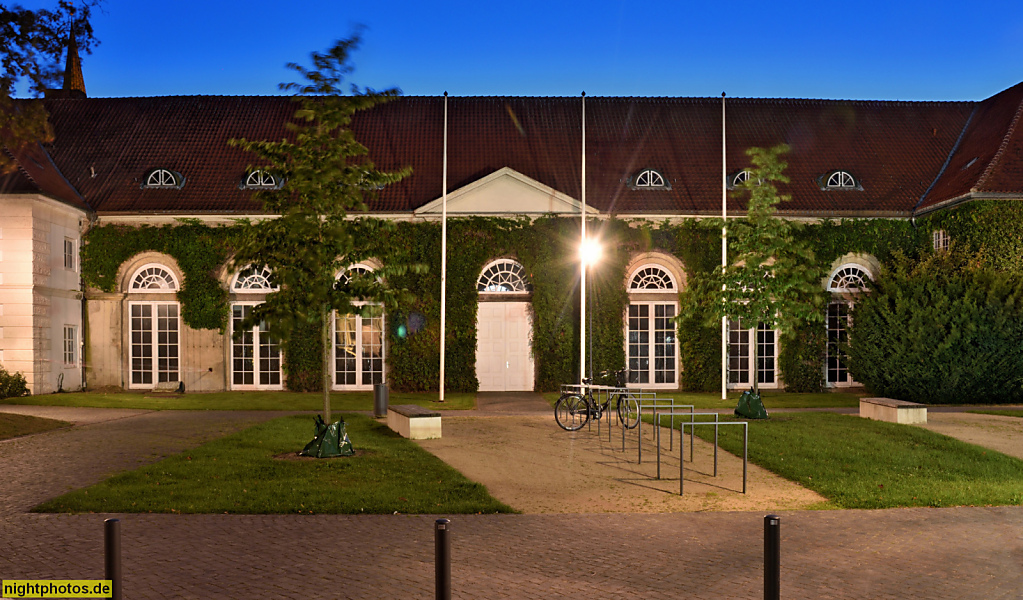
(582, 260)
(724, 250)
(444, 248)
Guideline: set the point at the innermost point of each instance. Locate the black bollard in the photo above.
(772, 557)
(442, 561)
(112, 555)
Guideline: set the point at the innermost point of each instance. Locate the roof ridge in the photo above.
(1001, 149)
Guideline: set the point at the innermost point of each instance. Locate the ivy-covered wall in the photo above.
(546, 247)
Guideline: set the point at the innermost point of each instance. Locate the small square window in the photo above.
(70, 346)
(941, 240)
(70, 261)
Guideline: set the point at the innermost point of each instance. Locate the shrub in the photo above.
(801, 358)
(12, 385)
(940, 330)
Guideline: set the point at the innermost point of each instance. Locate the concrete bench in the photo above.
(414, 422)
(893, 411)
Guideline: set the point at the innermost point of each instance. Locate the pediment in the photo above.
(505, 192)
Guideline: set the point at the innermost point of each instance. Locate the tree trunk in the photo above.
(325, 339)
(753, 353)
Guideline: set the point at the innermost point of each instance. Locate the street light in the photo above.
(589, 254)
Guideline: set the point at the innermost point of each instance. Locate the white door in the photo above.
(504, 361)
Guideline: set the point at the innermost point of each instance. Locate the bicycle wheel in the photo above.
(571, 412)
(628, 411)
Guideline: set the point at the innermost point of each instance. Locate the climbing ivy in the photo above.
(546, 247)
(200, 251)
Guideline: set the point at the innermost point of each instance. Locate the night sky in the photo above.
(910, 50)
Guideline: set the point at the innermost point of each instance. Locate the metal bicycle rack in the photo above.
(681, 447)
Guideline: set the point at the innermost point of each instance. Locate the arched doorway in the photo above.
(504, 357)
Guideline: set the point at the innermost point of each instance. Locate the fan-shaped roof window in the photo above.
(651, 278)
(164, 179)
(840, 180)
(849, 278)
(352, 271)
(261, 180)
(649, 179)
(741, 177)
(503, 276)
(253, 279)
(153, 278)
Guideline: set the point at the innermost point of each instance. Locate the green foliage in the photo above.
(32, 43)
(940, 330)
(801, 358)
(12, 385)
(773, 276)
(199, 250)
(992, 230)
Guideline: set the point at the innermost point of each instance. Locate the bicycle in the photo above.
(574, 409)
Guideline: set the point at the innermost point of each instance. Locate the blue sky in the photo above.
(892, 50)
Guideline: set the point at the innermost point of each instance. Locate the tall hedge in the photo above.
(942, 329)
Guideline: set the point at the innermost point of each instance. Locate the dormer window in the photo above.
(737, 179)
(839, 180)
(649, 179)
(163, 179)
(261, 180)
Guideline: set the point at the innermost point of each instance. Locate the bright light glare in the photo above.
(590, 251)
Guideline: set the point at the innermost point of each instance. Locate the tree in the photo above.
(32, 43)
(772, 276)
(326, 175)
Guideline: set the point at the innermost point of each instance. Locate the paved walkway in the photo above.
(961, 553)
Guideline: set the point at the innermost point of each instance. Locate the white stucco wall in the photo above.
(38, 295)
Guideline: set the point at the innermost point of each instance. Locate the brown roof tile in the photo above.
(895, 149)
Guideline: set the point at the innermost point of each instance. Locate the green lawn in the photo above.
(240, 474)
(860, 463)
(340, 401)
(1002, 413)
(12, 426)
(772, 399)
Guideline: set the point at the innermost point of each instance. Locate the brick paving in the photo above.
(961, 553)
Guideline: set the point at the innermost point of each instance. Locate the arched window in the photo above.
(840, 180)
(253, 279)
(650, 179)
(352, 271)
(741, 177)
(503, 276)
(260, 180)
(164, 179)
(650, 331)
(651, 278)
(849, 278)
(358, 341)
(153, 329)
(153, 278)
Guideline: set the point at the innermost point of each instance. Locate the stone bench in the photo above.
(893, 411)
(414, 422)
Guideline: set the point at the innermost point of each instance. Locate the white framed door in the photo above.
(504, 358)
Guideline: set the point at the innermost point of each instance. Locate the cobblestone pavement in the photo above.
(960, 553)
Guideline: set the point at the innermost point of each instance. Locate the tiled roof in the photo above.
(895, 149)
(37, 174)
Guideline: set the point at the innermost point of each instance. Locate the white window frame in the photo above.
(940, 239)
(651, 345)
(155, 346)
(70, 254)
(662, 290)
(360, 346)
(842, 295)
(650, 179)
(264, 274)
(841, 180)
(257, 348)
(847, 290)
(848, 382)
(517, 269)
(70, 346)
(260, 179)
(163, 179)
(171, 289)
(752, 369)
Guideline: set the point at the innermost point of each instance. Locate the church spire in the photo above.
(74, 81)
